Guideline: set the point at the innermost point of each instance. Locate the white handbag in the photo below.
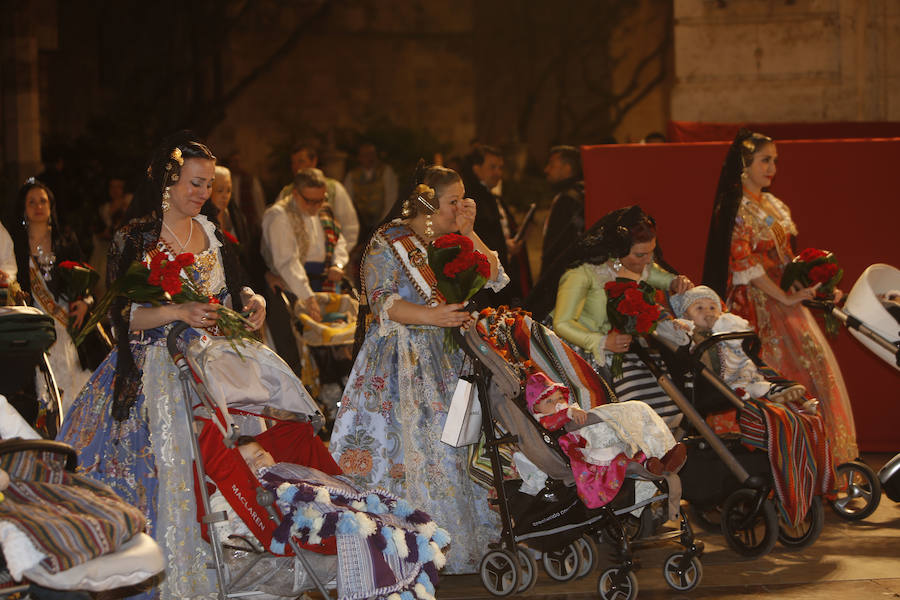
(463, 425)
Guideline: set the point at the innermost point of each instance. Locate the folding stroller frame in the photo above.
(192, 386)
(749, 518)
(511, 568)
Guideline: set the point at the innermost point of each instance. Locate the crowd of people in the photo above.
(124, 414)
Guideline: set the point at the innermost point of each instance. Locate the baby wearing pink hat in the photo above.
(631, 429)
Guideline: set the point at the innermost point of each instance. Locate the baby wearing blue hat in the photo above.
(699, 314)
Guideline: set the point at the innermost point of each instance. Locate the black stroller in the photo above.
(723, 479)
(25, 335)
(555, 522)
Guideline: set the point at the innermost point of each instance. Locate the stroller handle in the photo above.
(172, 338)
(851, 322)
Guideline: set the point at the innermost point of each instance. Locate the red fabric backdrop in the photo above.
(690, 131)
(843, 196)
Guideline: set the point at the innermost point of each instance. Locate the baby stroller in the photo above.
(224, 393)
(555, 522)
(876, 324)
(297, 516)
(25, 335)
(60, 530)
(724, 478)
(324, 347)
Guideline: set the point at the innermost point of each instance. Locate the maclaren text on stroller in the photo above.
(370, 543)
(724, 477)
(555, 521)
(275, 394)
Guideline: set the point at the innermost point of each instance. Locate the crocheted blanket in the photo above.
(386, 549)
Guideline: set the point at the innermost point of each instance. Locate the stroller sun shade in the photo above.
(251, 378)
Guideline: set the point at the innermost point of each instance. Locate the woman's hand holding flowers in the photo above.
(449, 315)
(78, 309)
(256, 306)
(617, 342)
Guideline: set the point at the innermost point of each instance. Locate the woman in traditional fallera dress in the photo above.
(129, 424)
(388, 430)
(40, 247)
(620, 245)
(750, 243)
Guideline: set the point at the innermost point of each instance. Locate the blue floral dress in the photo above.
(388, 431)
(146, 458)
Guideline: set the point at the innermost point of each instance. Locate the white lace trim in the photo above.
(385, 325)
(747, 275)
(502, 279)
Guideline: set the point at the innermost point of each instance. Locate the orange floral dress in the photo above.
(792, 341)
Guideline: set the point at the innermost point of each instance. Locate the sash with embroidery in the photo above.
(45, 298)
(413, 257)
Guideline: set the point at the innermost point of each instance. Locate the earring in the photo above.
(744, 173)
(617, 265)
(429, 232)
(406, 212)
(165, 200)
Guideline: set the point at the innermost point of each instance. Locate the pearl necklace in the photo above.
(190, 235)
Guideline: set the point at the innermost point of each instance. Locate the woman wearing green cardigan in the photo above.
(621, 245)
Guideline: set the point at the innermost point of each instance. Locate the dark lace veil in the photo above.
(729, 193)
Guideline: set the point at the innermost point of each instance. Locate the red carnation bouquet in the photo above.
(460, 271)
(632, 310)
(161, 281)
(814, 266)
(75, 279)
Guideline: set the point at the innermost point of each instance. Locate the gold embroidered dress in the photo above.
(792, 341)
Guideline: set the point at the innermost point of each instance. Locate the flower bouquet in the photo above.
(76, 279)
(161, 281)
(460, 271)
(814, 266)
(632, 310)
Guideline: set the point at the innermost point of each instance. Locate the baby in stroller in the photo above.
(612, 442)
(699, 314)
(60, 530)
(396, 549)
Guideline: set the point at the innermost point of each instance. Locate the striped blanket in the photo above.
(68, 517)
(799, 453)
(528, 345)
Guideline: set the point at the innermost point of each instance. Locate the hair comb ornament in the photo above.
(426, 204)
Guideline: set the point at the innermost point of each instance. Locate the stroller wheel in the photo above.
(807, 531)
(499, 572)
(858, 491)
(563, 564)
(682, 573)
(587, 550)
(710, 519)
(616, 585)
(527, 570)
(749, 531)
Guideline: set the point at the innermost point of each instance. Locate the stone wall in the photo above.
(778, 60)
(407, 62)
